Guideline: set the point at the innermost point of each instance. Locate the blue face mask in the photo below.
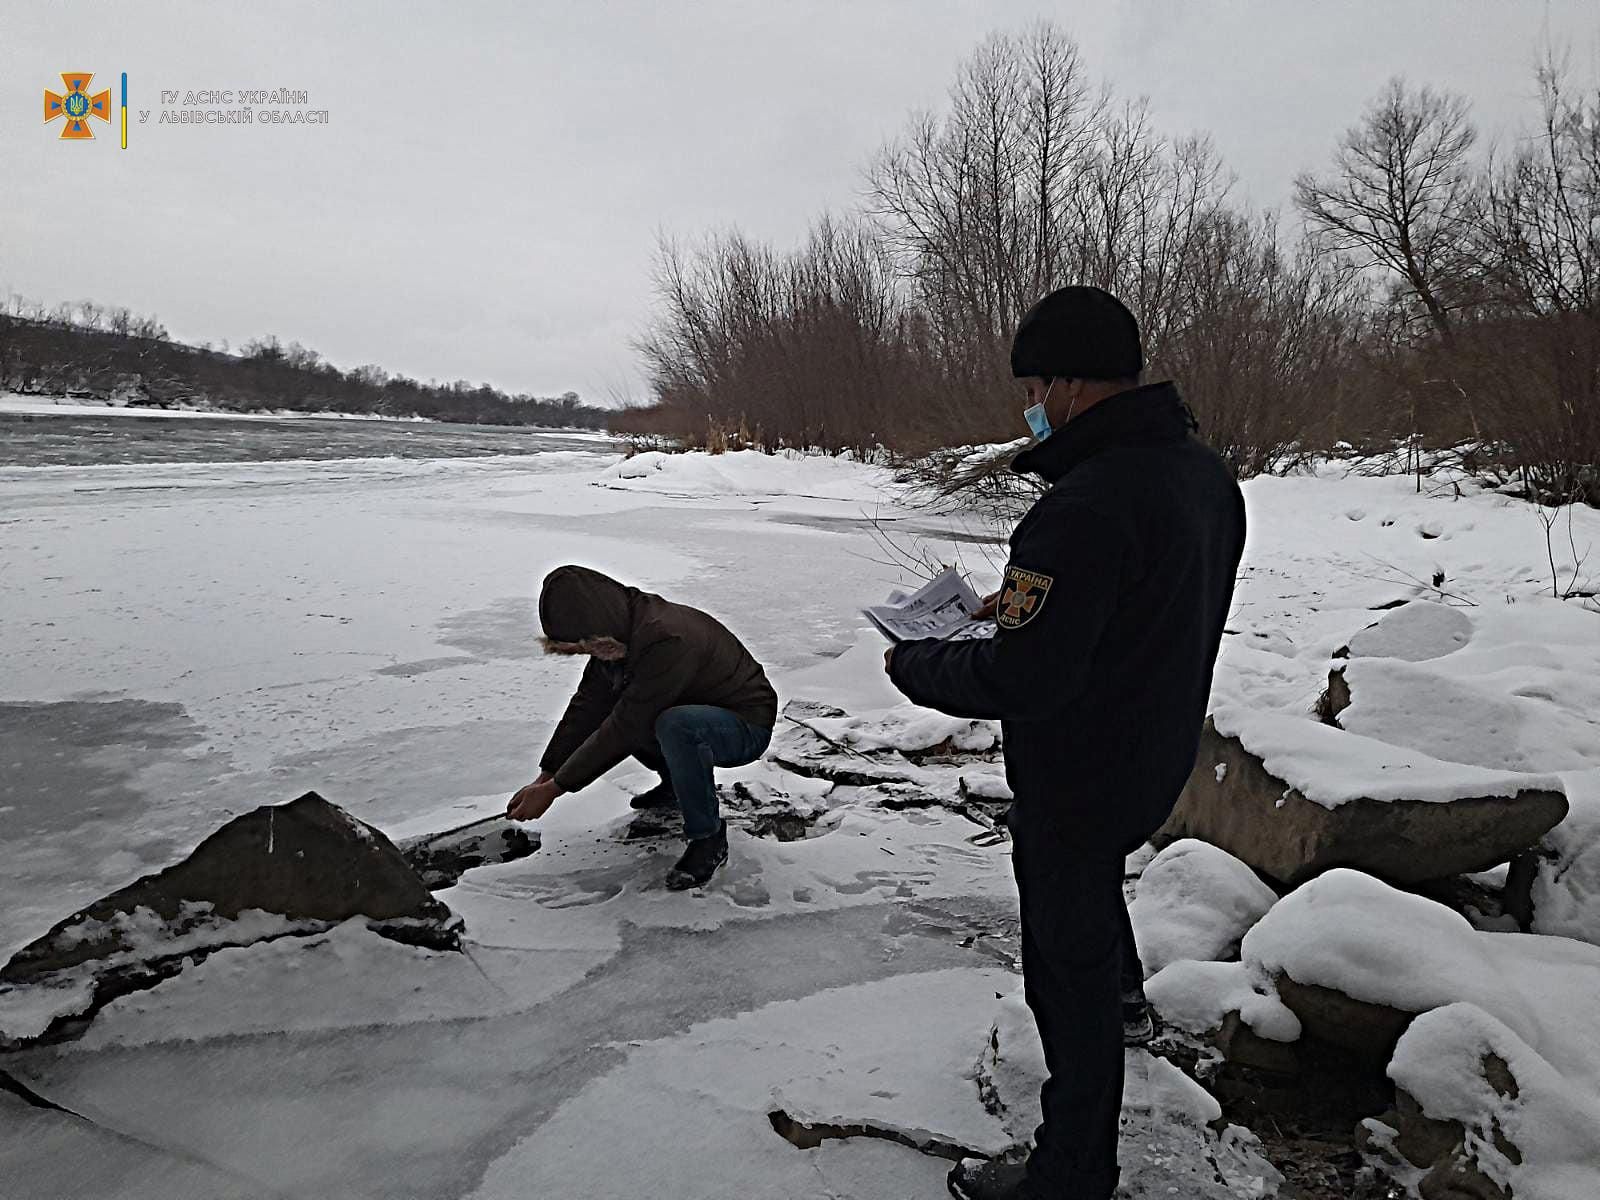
(1035, 416)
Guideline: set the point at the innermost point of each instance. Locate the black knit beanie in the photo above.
(1078, 333)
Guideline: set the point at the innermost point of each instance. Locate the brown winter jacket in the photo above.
(674, 655)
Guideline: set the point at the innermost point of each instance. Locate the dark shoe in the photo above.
(700, 861)
(994, 1179)
(1138, 1023)
(660, 796)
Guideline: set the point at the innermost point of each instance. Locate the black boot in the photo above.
(660, 796)
(977, 1179)
(1138, 1021)
(700, 860)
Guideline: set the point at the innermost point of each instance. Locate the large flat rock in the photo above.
(1233, 800)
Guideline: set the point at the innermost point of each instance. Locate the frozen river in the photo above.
(181, 642)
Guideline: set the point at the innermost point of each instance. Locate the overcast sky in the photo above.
(485, 200)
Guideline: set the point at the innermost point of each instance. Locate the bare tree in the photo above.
(1543, 208)
(1400, 195)
(816, 348)
(1536, 343)
(897, 333)
(1263, 340)
(975, 204)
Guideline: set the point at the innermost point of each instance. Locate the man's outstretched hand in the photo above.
(532, 802)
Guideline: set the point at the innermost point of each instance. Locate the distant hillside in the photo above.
(111, 356)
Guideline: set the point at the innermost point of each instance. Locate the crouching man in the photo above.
(666, 684)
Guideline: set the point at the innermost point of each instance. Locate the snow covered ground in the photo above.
(182, 643)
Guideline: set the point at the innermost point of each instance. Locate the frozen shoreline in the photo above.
(12, 403)
(180, 643)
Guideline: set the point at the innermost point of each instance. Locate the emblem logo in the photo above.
(77, 106)
(1022, 597)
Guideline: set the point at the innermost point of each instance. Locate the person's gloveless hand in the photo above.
(987, 610)
(532, 802)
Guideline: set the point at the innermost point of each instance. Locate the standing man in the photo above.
(1109, 619)
(665, 683)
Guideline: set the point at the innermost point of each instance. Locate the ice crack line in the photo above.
(10, 1083)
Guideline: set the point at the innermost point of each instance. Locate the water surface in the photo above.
(79, 440)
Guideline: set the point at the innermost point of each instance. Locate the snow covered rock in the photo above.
(916, 733)
(1195, 901)
(1488, 1037)
(1293, 797)
(746, 474)
(904, 756)
(1357, 960)
(1222, 1001)
(1198, 996)
(659, 470)
(1415, 632)
(771, 812)
(1483, 1113)
(294, 868)
(1466, 717)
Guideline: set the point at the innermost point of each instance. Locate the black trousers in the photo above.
(1076, 938)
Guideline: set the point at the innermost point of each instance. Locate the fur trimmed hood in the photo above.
(606, 649)
(577, 605)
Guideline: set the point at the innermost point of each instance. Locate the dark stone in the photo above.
(440, 859)
(944, 753)
(778, 824)
(653, 823)
(1244, 1047)
(308, 864)
(1260, 819)
(1517, 901)
(1441, 1147)
(1368, 1031)
(1459, 1179)
(768, 812)
(1335, 699)
(1423, 1141)
(1466, 896)
(1497, 1071)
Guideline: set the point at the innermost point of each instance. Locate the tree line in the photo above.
(1429, 294)
(109, 355)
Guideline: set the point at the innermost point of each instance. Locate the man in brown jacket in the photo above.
(666, 684)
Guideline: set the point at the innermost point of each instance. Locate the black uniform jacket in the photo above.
(675, 655)
(1116, 592)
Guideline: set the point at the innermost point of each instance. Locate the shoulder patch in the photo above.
(1022, 597)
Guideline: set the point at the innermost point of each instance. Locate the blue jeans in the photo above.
(693, 739)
